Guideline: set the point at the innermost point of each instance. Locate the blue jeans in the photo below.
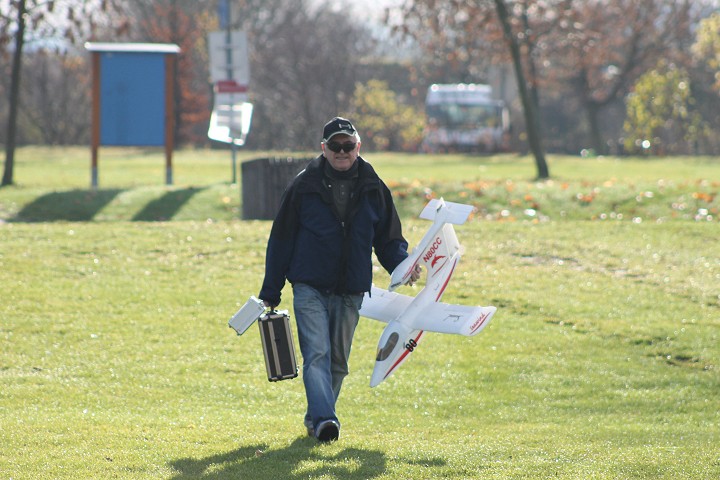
(326, 325)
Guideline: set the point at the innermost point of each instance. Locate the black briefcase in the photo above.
(278, 347)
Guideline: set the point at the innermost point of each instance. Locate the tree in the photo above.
(613, 43)
(385, 122)
(304, 62)
(475, 29)
(579, 58)
(531, 103)
(674, 107)
(705, 77)
(55, 99)
(660, 112)
(706, 49)
(45, 20)
(14, 100)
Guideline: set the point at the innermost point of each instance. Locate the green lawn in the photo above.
(602, 361)
(53, 184)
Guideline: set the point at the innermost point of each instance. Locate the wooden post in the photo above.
(169, 116)
(95, 140)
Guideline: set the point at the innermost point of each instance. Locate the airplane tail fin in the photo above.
(441, 251)
(456, 213)
(439, 245)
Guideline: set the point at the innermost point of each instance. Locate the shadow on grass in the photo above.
(165, 207)
(304, 458)
(72, 205)
(83, 205)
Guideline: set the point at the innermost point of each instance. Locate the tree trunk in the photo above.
(7, 178)
(596, 138)
(529, 109)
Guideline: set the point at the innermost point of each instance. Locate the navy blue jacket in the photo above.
(310, 244)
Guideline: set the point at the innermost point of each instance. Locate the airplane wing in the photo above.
(457, 319)
(437, 317)
(383, 305)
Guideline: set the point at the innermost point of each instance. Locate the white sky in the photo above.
(371, 8)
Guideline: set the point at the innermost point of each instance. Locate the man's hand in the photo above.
(415, 275)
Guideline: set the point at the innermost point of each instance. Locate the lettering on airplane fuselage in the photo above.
(433, 248)
(410, 345)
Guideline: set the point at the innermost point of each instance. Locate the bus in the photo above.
(463, 117)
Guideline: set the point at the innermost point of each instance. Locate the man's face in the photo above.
(342, 160)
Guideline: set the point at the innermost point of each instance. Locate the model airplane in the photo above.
(409, 317)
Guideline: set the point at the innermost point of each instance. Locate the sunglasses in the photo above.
(346, 147)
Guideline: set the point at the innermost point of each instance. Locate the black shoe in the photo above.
(328, 431)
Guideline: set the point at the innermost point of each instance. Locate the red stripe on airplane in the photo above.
(447, 280)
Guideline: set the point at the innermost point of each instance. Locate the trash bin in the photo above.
(263, 182)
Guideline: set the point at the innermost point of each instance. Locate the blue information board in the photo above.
(133, 101)
(132, 98)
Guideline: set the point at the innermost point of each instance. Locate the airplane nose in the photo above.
(396, 343)
(376, 379)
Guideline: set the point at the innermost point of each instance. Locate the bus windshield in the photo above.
(455, 115)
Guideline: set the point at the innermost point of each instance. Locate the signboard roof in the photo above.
(132, 47)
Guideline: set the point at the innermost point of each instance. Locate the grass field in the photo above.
(601, 363)
(53, 185)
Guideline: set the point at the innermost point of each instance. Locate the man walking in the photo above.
(332, 216)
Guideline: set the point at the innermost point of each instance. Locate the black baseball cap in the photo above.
(338, 125)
